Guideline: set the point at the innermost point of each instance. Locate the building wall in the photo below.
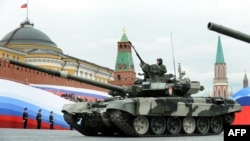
(11, 54)
(29, 76)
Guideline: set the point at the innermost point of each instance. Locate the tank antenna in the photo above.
(173, 54)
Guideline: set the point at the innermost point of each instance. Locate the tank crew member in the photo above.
(39, 119)
(51, 120)
(161, 66)
(25, 118)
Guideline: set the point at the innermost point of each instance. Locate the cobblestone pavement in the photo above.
(7, 134)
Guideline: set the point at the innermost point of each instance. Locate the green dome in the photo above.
(27, 34)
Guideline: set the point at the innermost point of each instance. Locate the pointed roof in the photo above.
(245, 76)
(219, 55)
(124, 36)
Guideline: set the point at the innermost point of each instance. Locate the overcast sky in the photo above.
(90, 30)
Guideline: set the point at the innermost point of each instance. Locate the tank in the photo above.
(155, 105)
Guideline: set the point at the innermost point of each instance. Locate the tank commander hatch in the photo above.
(162, 67)
(155, 70)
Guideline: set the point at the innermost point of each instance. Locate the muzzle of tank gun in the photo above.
(229, 32)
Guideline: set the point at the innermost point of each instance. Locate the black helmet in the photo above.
(160, 60)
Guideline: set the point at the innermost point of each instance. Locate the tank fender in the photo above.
(126, 105)
(75, 107)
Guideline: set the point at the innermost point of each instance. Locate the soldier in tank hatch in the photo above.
(162, 67)
(51, 120)
(25, 118)
(39, 119)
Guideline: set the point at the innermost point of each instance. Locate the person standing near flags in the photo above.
(51, 120)
(25, 118)
(39, 119)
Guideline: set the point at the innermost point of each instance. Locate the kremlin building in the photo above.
(30, 45)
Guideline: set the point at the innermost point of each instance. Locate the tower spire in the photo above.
(245, 80)
(124, 37)
(124, 30)
(219, 55)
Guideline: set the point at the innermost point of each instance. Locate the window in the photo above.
(81, 73)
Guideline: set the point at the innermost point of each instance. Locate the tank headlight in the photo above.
(170, 90)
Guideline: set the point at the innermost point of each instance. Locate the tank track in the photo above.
(118, 119)
(89, 130)
(72, 121)
(123, 125)
(122, 122)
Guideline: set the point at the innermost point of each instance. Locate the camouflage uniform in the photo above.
(162, 68)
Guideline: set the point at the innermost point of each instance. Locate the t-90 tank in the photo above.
(158, 105)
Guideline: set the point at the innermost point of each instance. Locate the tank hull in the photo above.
(162, 116)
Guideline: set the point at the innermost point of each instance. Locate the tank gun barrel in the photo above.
(229, 32)
(142, 62)
(68, 76)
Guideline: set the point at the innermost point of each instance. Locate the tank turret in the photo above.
(229, 32)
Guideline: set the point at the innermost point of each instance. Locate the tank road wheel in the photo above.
(158, 125)
(216, 124)
(229, 118)
(188, 125)
(173, 125)
(141, 125)
(202, 125)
